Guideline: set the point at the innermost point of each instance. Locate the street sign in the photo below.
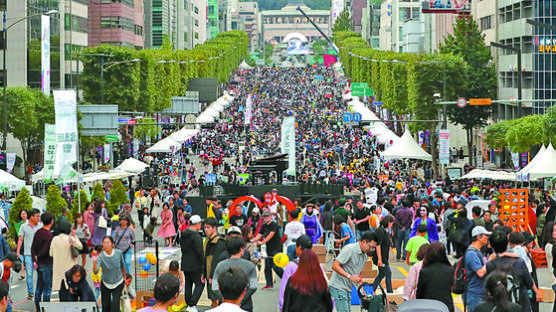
(480, 101)
(378, 103)
(357, 117)
(123, 120)
(461, 102)
(361, 89)
(346, 117)
(111, 138)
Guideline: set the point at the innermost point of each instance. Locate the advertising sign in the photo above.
(444, 149)
(45, 54)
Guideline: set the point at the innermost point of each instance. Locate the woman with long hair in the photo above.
(61, 253)
(497, 298)
(436, 276)
(410, 288)
(307, 289)
(166, 229)
(83, 234)
(549, 239)
(382, 253)
(100, 230)
(461, 236)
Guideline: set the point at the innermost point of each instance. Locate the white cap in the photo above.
(478, 230)
(195, 219)
(234, 229)
(256, 209)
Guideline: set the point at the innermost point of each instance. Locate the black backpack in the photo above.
(514, 283)
(460, 277)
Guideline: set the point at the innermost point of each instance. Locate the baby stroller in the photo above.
(370, 302)
(423, 305)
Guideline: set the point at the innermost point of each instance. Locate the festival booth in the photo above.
(212, 112)
(489, 174)
(9, 182)
(166, 145)
(357, 106)
(184, 135)
(406, 147)
(542, 166)
(132, 165)
(244, 66)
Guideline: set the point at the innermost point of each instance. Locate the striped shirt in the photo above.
(127, 239)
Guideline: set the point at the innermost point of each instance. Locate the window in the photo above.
(185, 36)
(129, 3)
(71, 50)
(75, 23)
(211, 10)
(118, 22)
(196, 22)
(486, 22)
(196, 10)
(196, 35)
(138, 30)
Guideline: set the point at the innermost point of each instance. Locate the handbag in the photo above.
(73, 249)
(126, 301)
(102, 222)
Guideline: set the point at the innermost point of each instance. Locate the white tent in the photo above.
(358, 107)
(489, 174)
(522, 174)
(183, 134)
(244, 65)
(166, 145)
(545, 166)
(406, 147)
(210, 114)
(132, 165)
(10, 182)
(38, 203)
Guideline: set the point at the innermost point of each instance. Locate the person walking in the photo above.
(347, 270)
(432, 233)
(192, 262)
(460, 235)
(111, 262)
(61, 253)
(497, 298)
(215, 245)
(475, 268)
(26, 235)
(82, 232)
(101, 223)
(40, 253)
(437, 276)
(167, 229)
(302, 243)
(124, 236)
(403, 220)
(270, 237)
(307, 289)
(361, 216)
(382, 254)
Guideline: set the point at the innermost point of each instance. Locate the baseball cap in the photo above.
(267, 214)
(304, 242)
(234, 229)
(528, 237)
(195, 219)
(256, 210)
(478, 230)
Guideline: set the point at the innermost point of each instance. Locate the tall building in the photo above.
(544, 56)
(117, 23)
(370, 24)
(16, 50)
(75, 38)
(357, 7)
(199, 21)
(159, 15)
(277, 24)
(394, 13)
(252, 19)
(212, 23)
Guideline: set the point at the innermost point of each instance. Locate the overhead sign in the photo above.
(461, 102)
(361, 89)
(376, 103)
(346, 117)
(99, 120)
(357, 117)
(111, 138)
(480, 101)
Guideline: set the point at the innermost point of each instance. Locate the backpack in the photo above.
(514, 284)
(460, 276)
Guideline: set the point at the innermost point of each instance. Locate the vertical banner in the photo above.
(287, 143)
(248, 109)
(45, 54)
(107, 150)
(49, 150)
(515, 160)
(444, 148)
(10, 162)
(65, 107)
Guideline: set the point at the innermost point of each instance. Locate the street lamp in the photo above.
(110, 64)
(519, 70)
(539, 24)
(4, 74)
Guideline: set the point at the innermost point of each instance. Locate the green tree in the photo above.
(54, 201)
(118, 195)
(526, 132)
(76, 208)
(481, 81)
(550, 124)
(98, 192)
(149, 129)
(22, 202)
(496, 134)
(343, 22)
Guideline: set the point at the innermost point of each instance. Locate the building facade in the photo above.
(118, 23)
(277, 24)
(212, 23)
(252, 20)
(370, 23)
(544, 56)
(76, 36)
(394, 13)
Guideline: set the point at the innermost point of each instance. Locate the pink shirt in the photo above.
(410, 289)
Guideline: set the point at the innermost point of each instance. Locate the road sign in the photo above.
(346, 117)
(376, 103)
(357, 117)
(480, 101)
(111, 138)
(461, 103)
(123, 120)
(361, 89)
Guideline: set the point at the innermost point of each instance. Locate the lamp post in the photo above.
(5, 78)
(539, 24)
(519, 70)
(110, 64)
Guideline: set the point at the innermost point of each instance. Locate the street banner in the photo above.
(421, 135)
(45, 54)
(65, 107)
(444, 149)
(287, 143)
(328, 60)
(10, 162)
(135, 148)
(515, 160)
(248, 109)
(107, 150)
(49, 150)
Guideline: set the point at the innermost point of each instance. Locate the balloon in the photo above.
(142, 260)
(281, 260)
(146, 266)
(153, 260)
(144, 274)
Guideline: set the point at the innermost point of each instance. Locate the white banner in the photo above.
(515, 160)
(65, 107)
(444, 148)
(106, 152)
(45, 54)
(49, 150)
(10, 162)
(135, 148)
(248, 109)
(287, 143)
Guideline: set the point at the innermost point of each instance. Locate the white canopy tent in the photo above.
(244, 65)
(10, 182)
(166, 145)
(489, 174)
(358, 107)
(522, 174)
(545, 166)
(210, 114)
(406, 147)
(132, 165)
(183, 134)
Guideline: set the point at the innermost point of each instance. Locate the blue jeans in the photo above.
(472, 300)
(383, 272)
(359, 234)
(127, 261)
(29, 268)
(44, 284)
(290, 251)
(342, 299)
(401, 243)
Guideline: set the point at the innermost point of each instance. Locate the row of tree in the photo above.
(56, 204)
(148, 84)
(406, 83)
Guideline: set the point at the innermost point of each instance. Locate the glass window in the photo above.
(119, 22)
(75, 23)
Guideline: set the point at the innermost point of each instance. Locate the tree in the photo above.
(481, 82)
(150, 129)
(343, 22)
(22, 202)
(526, 132)
(118, 195)
(76, 208)
(54, 201)
(496, 134)
(98, 192)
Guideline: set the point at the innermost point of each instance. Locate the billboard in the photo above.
(207, 88)
(296, 46)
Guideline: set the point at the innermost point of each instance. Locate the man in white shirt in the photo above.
(293, 230)
(232, 284)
